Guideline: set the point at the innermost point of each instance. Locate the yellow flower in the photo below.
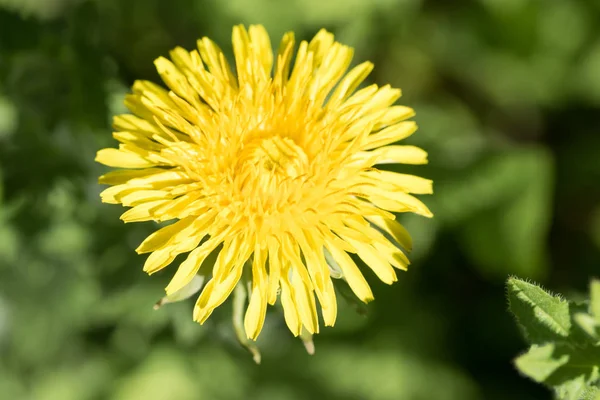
(271, 172)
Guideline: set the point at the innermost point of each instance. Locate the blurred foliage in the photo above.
(507, 94)
(565, 339)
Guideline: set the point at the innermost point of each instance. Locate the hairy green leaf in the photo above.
(543, 317)
(565, 351)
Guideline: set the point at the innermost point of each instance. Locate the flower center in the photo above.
(266, 172)
(276, 158)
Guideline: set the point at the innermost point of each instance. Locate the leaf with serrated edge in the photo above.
(542, 316)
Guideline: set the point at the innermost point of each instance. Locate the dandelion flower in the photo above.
(271, 170)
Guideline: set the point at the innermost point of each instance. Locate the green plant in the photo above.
(564, 337)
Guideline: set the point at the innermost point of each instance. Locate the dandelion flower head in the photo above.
(272, 169)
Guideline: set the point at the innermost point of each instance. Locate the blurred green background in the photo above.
(507, 94)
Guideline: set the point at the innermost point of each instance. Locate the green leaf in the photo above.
(542, 316)
(538, 363)
(591, 393)
(574, 379)
(583, 362)
(570, 370)
(587, 323)
(590, 323)
(565, 355)
(575, 389)
(595, 300)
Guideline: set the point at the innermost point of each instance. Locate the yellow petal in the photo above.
(261, 44)
(142, 212)
(156, 94)
(392, 180)
(372, 99)
(189, 268)
(157, 260)
(124, 175)
(216, 292)
(176, 208)
(284, 58)
(174, 79)
(137, 139)
(163, 235)
(336, 60)
(393, 256)
(320, 45)
(395, 229)
(400, 155)
(349, 83)
(274, 270)
(352, 274)
(191, 265)
(392, 115)
(400, 202)
(132, 123)
(305, 302)
(181, 241)
(389, 135)
(301, 283)
(330, 312)
(112, 195)
(379, 265)
(257, 307)
(163, 179)
(290, 310)
(213, 57)
(122, 159)
(143, 196)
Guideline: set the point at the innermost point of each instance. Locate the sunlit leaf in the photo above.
(542, 316)
(538, 363)
(560, 357)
